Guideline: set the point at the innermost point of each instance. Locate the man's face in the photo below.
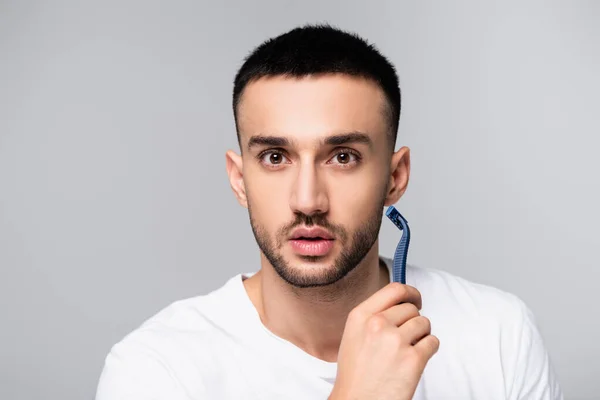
(316, 165)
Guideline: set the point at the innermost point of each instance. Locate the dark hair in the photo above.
(320, 49)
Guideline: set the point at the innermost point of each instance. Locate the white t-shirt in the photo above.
(215, 347)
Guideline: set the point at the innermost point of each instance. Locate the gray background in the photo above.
(114, 201)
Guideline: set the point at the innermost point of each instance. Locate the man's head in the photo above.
(316, 113)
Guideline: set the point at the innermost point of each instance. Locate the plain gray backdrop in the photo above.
(114, 200)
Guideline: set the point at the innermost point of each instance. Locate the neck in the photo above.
(314, 318)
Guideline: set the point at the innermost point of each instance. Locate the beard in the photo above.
(353, 250)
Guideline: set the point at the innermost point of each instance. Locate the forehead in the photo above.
(312, 107)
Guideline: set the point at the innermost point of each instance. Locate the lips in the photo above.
(311, 234)
(315, 242)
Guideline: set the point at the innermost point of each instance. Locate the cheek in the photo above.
(356, 193)
(268, 198)
(353, 202)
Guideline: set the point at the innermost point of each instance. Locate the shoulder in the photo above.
(470, 314)
(153, 358)
(194, 316)
(455, 294)
(452, 296)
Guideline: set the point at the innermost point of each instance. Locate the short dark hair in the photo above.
(320, 49)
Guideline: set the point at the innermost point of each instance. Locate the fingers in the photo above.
(400, 313)
(390, 295)
(417, 329)
(427, 346)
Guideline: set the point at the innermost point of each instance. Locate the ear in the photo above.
(235, 172)
(399, 174)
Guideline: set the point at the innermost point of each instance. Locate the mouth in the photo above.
(315, 242)
(311, 234)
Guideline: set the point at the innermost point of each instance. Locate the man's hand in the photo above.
(385, 347)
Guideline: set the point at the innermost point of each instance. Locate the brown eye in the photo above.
(272, 158)
(343, 158)
(275, 158)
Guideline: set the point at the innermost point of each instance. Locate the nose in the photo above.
(309, 196)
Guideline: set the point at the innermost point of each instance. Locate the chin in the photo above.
(312, 265)
(302, 260)
(308, 271)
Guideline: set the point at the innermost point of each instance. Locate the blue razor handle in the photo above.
(399, 268)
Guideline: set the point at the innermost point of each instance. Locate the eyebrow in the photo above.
(334, 140)
(346, 138)
(261, 140)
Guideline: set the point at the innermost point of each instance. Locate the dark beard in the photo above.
(351, 256)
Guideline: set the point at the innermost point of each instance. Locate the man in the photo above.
(316, 113)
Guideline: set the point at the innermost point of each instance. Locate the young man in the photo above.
(316, 112)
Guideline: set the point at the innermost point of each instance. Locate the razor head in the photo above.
(397, 218)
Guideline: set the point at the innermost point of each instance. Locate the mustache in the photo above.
(318, 220)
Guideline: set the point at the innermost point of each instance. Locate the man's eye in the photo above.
(345, 157)
(272, 158)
